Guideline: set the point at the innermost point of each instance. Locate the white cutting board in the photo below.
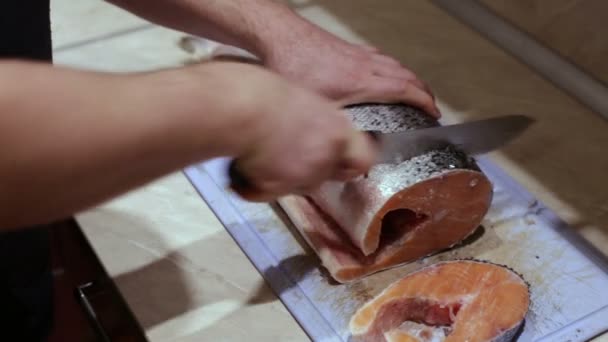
(568, 278)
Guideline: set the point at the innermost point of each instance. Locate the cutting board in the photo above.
(568, 278)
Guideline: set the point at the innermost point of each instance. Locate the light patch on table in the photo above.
(84, 21)
(126, 224)
(193, 321)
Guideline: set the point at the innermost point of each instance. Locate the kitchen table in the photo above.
(186, 279)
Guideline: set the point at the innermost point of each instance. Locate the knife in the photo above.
(472, 138)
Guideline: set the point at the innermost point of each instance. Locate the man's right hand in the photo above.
(92, 136)
(294, 138)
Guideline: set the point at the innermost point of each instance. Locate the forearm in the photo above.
(248, 24)
(72, 139)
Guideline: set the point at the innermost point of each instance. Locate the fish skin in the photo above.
(388, 179)
(343, 221)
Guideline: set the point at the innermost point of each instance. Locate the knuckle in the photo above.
(409, 75)
(270, 187)
(407, 87)
(360, 78)
(365, 56)
(428, 99)
(339, 133)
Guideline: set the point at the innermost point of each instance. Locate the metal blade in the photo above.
(473, 138)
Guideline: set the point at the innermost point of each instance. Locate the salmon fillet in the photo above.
(453, 301)
(398, 212)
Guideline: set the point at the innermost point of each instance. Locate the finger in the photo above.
(423, 86)
(370, 48)
(260, 191)
(403, 74)
(237, 59)
(264, 183)
(272, 196)
(269, 191)
(428, 89)
(395, 90)
(425, 99)
(383, 59)
(258, 194)
(263, 196)
(358, 156)
(305, 191)
(385, 70)
(271, 181)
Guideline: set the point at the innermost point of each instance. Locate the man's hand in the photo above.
(293, 47)
(92, 136)
(343, 71)
(293, 139)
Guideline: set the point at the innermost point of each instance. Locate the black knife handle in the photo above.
(243, 186)
(239, 182)
(375, 135)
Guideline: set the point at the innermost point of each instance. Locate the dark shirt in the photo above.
(25, 278)
(25, 29)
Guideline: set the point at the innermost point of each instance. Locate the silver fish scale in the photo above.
(392, 178)
(388, 118)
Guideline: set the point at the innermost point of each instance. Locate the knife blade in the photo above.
(472, 138)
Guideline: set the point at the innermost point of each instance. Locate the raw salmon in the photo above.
(398, 212)
(453, 301)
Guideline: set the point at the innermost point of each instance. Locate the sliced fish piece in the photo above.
(454, 301)
(398, 212)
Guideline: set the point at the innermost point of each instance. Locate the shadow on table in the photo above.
(205, 279)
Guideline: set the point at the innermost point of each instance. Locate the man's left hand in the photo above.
(343, 71)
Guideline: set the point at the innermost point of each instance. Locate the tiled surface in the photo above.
(185, 278)
(94, 35)
(147, 49)
(78, 21)
(183, 275)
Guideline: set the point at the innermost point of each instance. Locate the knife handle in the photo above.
(243, 186)
(239, 182)
(375, 135)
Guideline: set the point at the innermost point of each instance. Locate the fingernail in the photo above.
(437, 112)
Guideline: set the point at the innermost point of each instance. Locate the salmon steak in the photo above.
(454, 301)
(398, 212)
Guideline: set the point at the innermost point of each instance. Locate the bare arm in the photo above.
(72, 139)
(248, 24)
(293, 47)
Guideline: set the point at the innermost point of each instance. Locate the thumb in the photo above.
(358, 157)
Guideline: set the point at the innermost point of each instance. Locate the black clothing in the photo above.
(26, 290)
